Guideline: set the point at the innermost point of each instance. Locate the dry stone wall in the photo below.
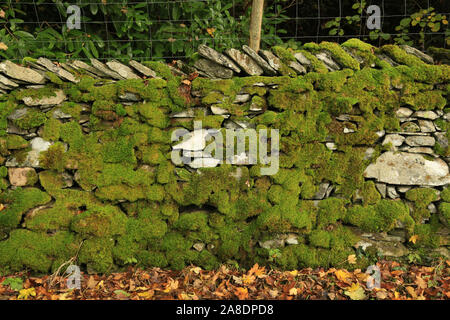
(87, 167)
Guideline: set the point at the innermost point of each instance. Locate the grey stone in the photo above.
(59, 114)
(193, 141)
(395, 140)
(59, 97)
(331, 146)
(441, 139)
(78, 64)
(302, 59)
(328, 61)
(15, 71)
(259, 60)
(426, 126)
(297, 67)
(60, 72)
(213, 70)
(403, 189)
(245, 62)
(368, 154)
(430, 115)
(123, 70)
(204, 163)
(420, 141)
(271, 244)
(392, 192)
(188, 113)
(387, 59)
(217, 57)
(424, 150)
(38, 145)
(403, 112)
(146, 71)
(273, 61)
(410, 127)
(18, 114)
(219, 111)
(7, 82)
(199, 246)
(291, 239)
(242, 98)
(129, 96)
(105, 70)
(382, 189)
(419, 54)
(320, 194)
(402, 168)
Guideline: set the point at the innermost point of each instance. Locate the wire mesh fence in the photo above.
(154, 29)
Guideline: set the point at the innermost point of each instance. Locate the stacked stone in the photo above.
(409, 160)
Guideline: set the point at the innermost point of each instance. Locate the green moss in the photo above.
(53, 158)
(320, 238)
(330, 211)
(18, 202)
(31, 119)
(421, 197)
(445, 194)
(96, 254)
(15, 142)
(342, 57)
(51, 130)
(54, 78)
(100, 222)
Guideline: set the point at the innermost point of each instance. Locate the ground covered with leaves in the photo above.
(398, 282)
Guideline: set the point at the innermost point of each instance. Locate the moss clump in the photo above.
(96, 254)
(342, 57)
(31, 119)
(18, 202)
(100, 222)
(379, 217)
(53, 158)
(51, 130)
(320, 238)
(192, 221)
(330, 211)
(421, 197)
(25, 249)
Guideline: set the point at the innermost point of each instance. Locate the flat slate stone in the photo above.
(15, 71)
(122, 69)
(245, 62)
(7, 82)
(213, 70)
(146, 71)
(78, 64)
(419, 54)
(302, 59)
(59, 97)
(217, 57)
(401, 168)
(60, 72)
(328, 61)
(259, 60)
(104, 69)
(273, 61)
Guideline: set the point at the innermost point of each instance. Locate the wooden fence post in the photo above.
(255, 24)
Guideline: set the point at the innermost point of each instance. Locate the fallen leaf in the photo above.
(355, 292)
(3, 46)
(293, 292)
(241, 293)
(211, 31)
(2, 13)
(25, 293)
(411, 292)
(343, 275)
(413, 238)
(351, 259)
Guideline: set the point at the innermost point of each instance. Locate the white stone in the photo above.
(193, 141)
(431, 115)
(204, 163)
(403, 168)
(395, 140)
(419, 141)
(403, 112)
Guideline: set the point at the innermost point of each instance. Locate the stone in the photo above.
(217, 57)
(122, 69)
(403, 189)
(59, 97)
(59, 114)
(105, 70)
(401, 168)
(331, 146)
(273, 61)
(38, 145)
(395, 140)
(297, 67)
(271, 244)
(129, 96)
(387, 59)
(385, 248)
(392, 192)
(204, 163)
(242, 98)
(320, 194)
(430, 115)
(193, 141)
(8, 82)
(419, 54)
(245, 62)
(403, 112)
(188, 113)
(60, 72)
(260, 61)
(426, 126)
(199, 246)
(424, 150)
(380, 133)
(291, 239)
(18, 114)
(441, 139)
(78, 64)
(213, 70)
(348, 130)
(146, 71)
(20, 177)
(15, 71)
(302, 59)
(382, 189)
(368, 154)
(420, 141)
(328, 61)
(219, 111)
(410, 127)
(432, 208)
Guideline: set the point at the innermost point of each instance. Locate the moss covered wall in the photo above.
(86, 170)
